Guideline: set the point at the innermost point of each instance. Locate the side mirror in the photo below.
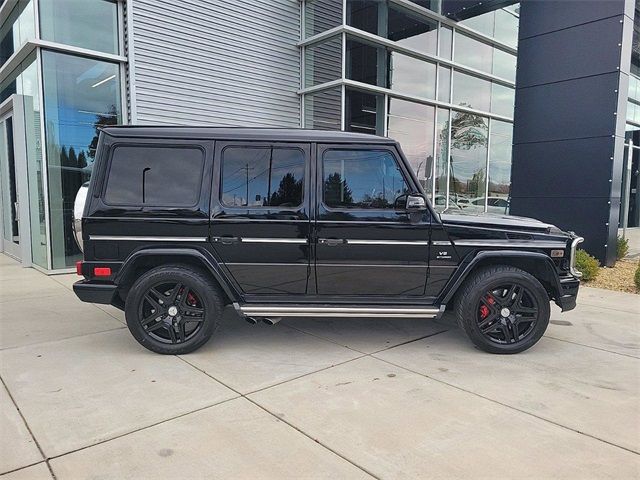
(415, 203)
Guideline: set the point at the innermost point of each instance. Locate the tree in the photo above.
(336, 190)
(289, 191)
(102, 120)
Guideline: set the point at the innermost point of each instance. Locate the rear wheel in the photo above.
(503, 309)
(173, 309)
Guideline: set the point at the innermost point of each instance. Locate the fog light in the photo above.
(102, 271)
(557, 253)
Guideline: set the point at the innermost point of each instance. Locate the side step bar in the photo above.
(250, 310)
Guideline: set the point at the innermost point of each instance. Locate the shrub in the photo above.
(636, 277)
(622, 248)
(588, 265)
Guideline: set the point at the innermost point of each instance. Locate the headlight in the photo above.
(78, 209)
(572, 261)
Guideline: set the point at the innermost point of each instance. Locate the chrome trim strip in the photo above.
(572, 257)
(132, 238)
(387, 242)
(374, 265)
(509, 243)
(441, 242)
(301, 311)
(298, 241)
(266, 264)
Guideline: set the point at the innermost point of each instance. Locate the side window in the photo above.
(155, 176)
(361, 179)
(262, 177)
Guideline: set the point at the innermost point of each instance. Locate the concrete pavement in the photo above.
(312, 398)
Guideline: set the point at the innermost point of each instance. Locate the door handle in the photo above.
(225, 240)
(332, 242)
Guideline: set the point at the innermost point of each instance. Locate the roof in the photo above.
(241, 133)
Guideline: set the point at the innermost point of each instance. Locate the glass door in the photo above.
(9, 189)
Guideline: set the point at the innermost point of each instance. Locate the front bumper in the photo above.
(94, 292)
(568, 293)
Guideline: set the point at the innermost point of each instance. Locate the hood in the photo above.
(482, 219)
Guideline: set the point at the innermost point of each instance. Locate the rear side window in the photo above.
(262, 177)
(155, 176)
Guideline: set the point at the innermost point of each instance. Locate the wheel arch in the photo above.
(141, 261)
(537, 264)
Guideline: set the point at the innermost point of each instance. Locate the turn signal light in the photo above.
(102, 271)
(79, 267)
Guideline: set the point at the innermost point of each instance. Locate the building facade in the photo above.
(480, 95)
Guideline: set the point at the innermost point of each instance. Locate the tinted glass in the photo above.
(18, 28)
(442, 157)
(91, 24)
(411, 30)
(321, 15)
(323, 61)
(366, 63)
(364, 112)
(363, 14)
(262, 177)
(468, 161)
(155, 176)
(500, 166)
(367, 179)
(410, 75)
(322, 109)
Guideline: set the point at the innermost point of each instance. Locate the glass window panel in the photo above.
(502, 100)
(364, 112)
(446, 39)
(365, 179)
(468, 163)
(366, 62)
(323, 61)
(410, 75)
(631, 108)
(80, 96)
(363, 14)
(322, 110)
(442, 159)
(321, 15)
(500, 166)
(444, 84)
(504, 65)
(506, 27)
(433, 5)
(139, 175)
(472, 53)
(484, 23)
(634, 87)
(471, 92)
(412, 30)
(411, 124)
(91, 24)
(17, 29)
(262, 177)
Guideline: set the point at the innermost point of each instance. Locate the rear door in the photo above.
(365, 246)
(260, 222)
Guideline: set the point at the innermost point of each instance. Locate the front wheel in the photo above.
(173, 309)
(503, 309)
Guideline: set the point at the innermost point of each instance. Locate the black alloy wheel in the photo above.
(502, 309)
(507, 314)
(172, 312)
(174, 309)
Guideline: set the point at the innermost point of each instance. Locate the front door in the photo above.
(260, 224)
(9, 191)
(365, 246)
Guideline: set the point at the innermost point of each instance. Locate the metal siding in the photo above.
(217, 62)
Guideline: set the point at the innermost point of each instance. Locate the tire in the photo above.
(173, 309)
(502, 309)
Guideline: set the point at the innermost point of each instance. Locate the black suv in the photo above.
(180, 221)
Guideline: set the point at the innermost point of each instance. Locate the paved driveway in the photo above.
(312, 398)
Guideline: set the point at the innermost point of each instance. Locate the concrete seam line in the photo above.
(61, 339)
(510, 407)
(2, 474)
(24, 420)
(591, 346)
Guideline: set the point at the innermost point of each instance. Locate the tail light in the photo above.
(79, 267)
(102, 271)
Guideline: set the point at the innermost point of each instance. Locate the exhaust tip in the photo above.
(251, 320)
(271, 321)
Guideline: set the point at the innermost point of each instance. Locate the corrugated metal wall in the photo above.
(216, 62)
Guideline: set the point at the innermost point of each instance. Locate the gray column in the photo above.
(572, 81)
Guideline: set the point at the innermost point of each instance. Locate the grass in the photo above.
(619, 277)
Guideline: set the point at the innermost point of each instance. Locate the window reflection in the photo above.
(322, 109)
(411, 124)
(500, 167)
(91, 24)
(411, 75)
(471, 92)
(80, 96)
(321, 15)
(502, 100)
(411, 30)
(468, 161)
(366, 62)
(444, 84)
(442, 159)
(17, 29)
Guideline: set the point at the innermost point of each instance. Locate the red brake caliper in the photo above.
(484, 310)
(191, 299)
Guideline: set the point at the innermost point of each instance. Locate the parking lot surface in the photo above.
(311, 398)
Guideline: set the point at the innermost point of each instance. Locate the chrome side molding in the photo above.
(509, 243)
(133, 238)
(572, 257)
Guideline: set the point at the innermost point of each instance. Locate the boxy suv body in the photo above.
(180, 221)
